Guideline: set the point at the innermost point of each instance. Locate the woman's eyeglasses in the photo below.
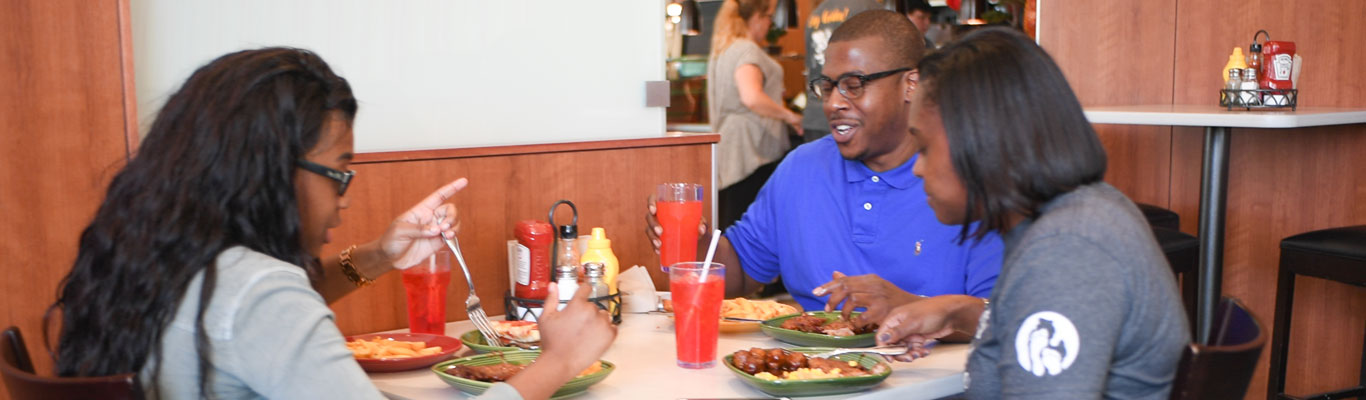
(850, 85)
(343, 178)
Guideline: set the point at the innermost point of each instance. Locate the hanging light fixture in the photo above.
(785, 15)
(689, 22)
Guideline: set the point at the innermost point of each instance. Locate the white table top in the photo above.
(1211, 115)
(646, 369)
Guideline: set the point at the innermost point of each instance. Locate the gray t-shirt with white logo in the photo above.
(1086, 306)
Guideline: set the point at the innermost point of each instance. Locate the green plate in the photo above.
(573, 387)
(476, 341)
(819, 387)
(771, 328)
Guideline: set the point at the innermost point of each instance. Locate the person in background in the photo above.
(744, 91)
(847, 204)
(919, 12)
(827, 16)
(1086, 306)
(202, 270)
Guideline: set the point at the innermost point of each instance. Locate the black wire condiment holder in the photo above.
(512, 303)
(1249, 99)
(529, 307)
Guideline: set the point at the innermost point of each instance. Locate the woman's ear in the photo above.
(912, 82)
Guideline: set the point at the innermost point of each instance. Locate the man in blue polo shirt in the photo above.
(848, 203)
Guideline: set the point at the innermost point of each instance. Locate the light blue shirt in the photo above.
(820, 213)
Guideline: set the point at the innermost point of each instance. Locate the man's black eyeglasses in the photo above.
(850, 85)
(343, 178)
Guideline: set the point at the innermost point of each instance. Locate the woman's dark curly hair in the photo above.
(215, 171)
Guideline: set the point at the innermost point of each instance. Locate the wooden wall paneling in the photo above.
(1284, 182)
(1280, 184)
(794, 43)
(1118, 53)
(1326, 33)
(64, 129)
(609, 186)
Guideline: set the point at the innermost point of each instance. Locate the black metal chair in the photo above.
(1338, 255)
(24, 384)
(1223, 368)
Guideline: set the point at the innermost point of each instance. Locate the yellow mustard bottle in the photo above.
(1235, 60)
(600, 251)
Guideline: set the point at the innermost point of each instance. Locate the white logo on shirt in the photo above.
(1047, 343)
(819, 39)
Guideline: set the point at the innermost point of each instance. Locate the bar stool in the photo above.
(1160, 217)
(1182, 251)
(1338, 255)
(1183, 254)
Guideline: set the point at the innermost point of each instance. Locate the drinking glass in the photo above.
(696, 289)
(425, 285)
(678, 207)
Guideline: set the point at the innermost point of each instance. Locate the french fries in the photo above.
(379, 347)
(741, 307)
(597, 366)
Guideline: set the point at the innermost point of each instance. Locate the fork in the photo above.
(472, 305)
(886, 351)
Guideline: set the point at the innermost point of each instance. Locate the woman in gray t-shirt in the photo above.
(1086, 305)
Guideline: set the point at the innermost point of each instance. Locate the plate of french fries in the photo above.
(740, 307)
(389, 352)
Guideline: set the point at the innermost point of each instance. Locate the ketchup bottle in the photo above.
(533, 259)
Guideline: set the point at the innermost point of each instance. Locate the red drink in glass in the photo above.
(697, 311)
(679, 211)
(426, 285)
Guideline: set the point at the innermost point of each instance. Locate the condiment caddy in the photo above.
(1265, 78)
(564, 265)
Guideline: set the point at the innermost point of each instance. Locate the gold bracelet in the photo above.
(349, 269)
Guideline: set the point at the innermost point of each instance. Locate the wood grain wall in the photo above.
(609, 184)
(1281, 182)
(64, 124)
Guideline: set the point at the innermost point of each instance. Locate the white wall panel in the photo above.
(435, 73)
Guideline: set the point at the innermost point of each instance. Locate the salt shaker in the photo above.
(1233, 83)
(567, 278)
(1249, 95)
(593, 273)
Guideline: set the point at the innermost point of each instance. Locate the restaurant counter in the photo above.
(646, 369)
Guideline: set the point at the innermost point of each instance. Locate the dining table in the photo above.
(646, 368)
(1218, 123)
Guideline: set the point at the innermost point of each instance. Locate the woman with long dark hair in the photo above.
(202, 270)
(1086, 305)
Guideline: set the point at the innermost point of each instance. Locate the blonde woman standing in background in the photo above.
(745, 88)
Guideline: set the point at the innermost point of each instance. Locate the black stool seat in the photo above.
(1337, 254)
(1160, 217)
(1348, 242)
(1176, 245)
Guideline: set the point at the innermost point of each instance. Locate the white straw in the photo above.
(711, 252)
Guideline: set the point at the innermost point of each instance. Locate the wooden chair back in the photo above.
(24, 384)
(1223, 368)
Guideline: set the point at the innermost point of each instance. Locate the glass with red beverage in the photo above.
(678, 207)
(696, 289)
(425, 284)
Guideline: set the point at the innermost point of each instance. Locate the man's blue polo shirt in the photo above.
(820, 213)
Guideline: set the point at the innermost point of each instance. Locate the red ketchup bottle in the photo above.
(533, 259)
(1277, 61)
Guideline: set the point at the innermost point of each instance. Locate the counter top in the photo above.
(1210, 115)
